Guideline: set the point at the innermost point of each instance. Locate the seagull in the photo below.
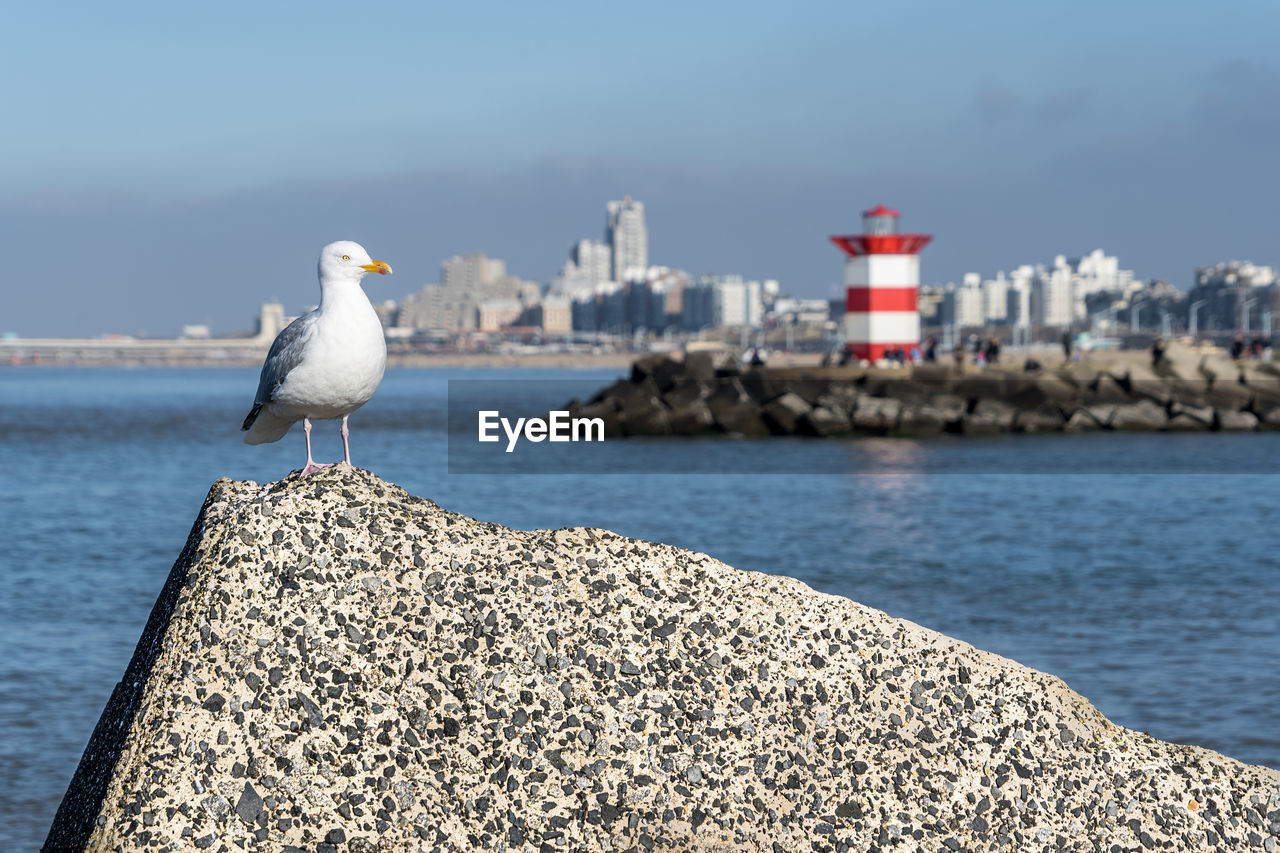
(328, 362)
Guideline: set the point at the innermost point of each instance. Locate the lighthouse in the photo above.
(882, 280)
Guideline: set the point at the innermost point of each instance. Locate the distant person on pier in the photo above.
(1237, 347)
(1157, 352)
(957, 357)
(931, 349)
(993, 349)
(1066, 345)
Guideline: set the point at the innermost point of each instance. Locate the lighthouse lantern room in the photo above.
(882, 277)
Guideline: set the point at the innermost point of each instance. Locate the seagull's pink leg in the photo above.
(312, 467)
(346, 448)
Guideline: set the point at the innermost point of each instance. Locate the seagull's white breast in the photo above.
(342, 363)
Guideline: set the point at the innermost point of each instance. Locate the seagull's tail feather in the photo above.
(264, 427)
(251, 417)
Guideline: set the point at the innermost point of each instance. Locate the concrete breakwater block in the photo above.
(336, 665)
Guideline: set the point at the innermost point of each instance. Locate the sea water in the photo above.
(1141, 569)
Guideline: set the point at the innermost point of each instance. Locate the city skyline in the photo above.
(471, 277)
(175, 166)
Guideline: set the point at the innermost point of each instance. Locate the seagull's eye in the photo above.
(346, 257)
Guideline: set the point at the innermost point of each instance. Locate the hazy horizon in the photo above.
(179, 166)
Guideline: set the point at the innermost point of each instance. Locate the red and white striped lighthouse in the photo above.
(882, 274)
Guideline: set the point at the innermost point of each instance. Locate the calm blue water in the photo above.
(1157, 596)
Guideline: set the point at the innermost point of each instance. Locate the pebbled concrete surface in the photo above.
(336, 665)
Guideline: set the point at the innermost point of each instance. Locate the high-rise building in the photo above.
(968, 310)
(557, 315)
(495, 314)
(672, 284)
(628, 239)
(467, 281)
(463, 272)
(1234, 295)
(1235, 273)
(270, 321)
(1056, 294)
(722, 301)
(1019, 304)
(995, 300)
(932, 302)
(593, 260)
(737, 303)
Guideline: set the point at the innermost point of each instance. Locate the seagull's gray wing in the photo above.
(285, 355)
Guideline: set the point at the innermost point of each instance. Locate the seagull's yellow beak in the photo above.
(380, 267)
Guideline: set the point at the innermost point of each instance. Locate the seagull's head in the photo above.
(348, 261)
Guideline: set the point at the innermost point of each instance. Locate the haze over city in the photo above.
(172, 165)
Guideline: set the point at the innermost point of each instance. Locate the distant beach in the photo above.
(231, 353)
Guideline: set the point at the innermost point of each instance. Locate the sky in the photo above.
(166, 164)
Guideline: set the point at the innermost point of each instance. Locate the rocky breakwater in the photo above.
(1185, 392)
(336, 665)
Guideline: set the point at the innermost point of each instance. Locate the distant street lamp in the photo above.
(1244, 314)
(1104, 319)
(1195, 307)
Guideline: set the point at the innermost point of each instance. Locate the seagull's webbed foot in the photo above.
(313, 467)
